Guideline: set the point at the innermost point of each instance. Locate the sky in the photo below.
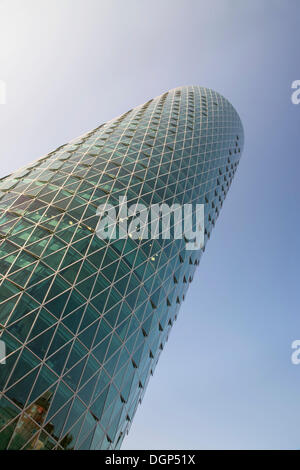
(225, 379)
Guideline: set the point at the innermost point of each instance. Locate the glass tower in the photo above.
(84, 320)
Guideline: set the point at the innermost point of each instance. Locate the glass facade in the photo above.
(84, 320)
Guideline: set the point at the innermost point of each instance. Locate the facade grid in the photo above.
(84, 320)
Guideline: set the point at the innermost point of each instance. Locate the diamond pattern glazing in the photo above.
(84, 320)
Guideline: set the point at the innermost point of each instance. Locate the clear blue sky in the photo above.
(225, 379)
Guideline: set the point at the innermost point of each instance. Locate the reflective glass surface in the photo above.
(84, 320)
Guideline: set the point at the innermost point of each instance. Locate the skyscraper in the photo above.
(83, 319)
